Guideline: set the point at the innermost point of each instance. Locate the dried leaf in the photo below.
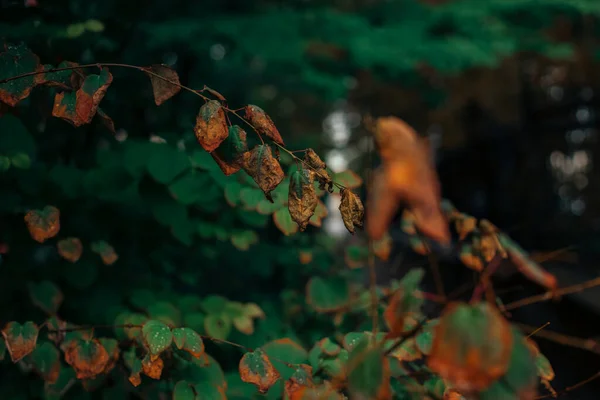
(87, 357)
(256, 368)
(70, 79)
(383, 247)
(320, 168)
(352, 210)
(79, 107)
(470, 259)
(301, 380)
(218, 95)
(43, 224)
(302, 198)
(472, 346)
(260, 164)
(20, 339)
(152, 367)
(262, 123)
(106, 252)
(70, 249)
(211, 126)
(229, 154)
(465, 224)
(406, 176)
(162, 87)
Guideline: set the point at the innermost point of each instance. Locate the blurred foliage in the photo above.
(140, 234)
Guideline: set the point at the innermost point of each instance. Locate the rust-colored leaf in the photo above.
(266, 171)
(302, 198)
(78, 108)
(407, 224)
(152, 368)
(165, 82)
(87, 357)
(70, 249)
(256, 368)
(470, 259)
(472, 346)
(305, 257)
(296, 386)
(407, 176)
(112, 348)
(228, 155)
(262, 123)
(211, 126)
(43, 224)
(465, 224)
(320, 168)
(452, 394)
(20, 339)
(352, 210)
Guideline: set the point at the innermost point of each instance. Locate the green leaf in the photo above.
(544, 368)
(183, 391)
(188, 340)
(327, 294)
(214, 304)
(46, 361)
(46, 296)
(368, 371)
(233, 193)
(283, 221)
(4, 163)
(242, 240)
(256, 368)
(251, 197)
(93, 25)
(17, 60)
(21, 161)
(165, 163)
(190, 187)
(425, 338)
(157, 336)
(14, 136)
(286, 350)
(165, 312)
(217, 326)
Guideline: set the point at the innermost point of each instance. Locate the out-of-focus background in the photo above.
(506, 90)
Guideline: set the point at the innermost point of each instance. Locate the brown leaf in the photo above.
(465, 224)
(161, 85)
(20, 339)
(302, 198)
(260, 164)
(70, 249)
(43, 224)
(320, 168)
(406, 176)
(352, 210)
(218, 95)
(88, 358)
(262, 123)
(296, 386)
(211, 126)
(152, 368)
(229, 155)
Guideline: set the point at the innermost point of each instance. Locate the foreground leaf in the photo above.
(302, 198)
(264, 169)
(262, 123)
(211, 126)
(188, 340)
(79, 107)
(70, 249)
(162, 89)
(43, 224)
(472, 346)
(256, 368)
(299, 382)
(87, 357)
(368, 371)
(20, 339)
(152, 367)
(157, 336)
(352, 210)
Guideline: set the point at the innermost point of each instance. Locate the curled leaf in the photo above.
(87, 357)
(302, 198)
(262, 123)
(79, 107)
(320, 213)
(228, 155)
(43, 224)
(152, 367)
(320, 168)
(256, 368)
(20, 339)
(352, 210)
(266, 171)
(70, 249)
(211, 126)
(165, 82)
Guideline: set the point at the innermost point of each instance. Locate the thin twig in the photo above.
(538, 329)
(549, 295)
(570, 388)
(571, 341)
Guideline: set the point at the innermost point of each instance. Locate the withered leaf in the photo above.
(256, 368)
(260, 164)
(262, 123)
(43, 224)
(313, 160)
(152, 368)
(87, 357)
(20, 339)
(162, 87)
(211, 126)
(229, 154)
(70, 249)
(465, 224)
(408, 177)
(302, 197)
(352, 210)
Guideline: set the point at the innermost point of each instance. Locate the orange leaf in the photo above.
(87, 357)
(211, 126)
(152, 368)
(70, 249)
(43, 224)
(20, 339)
(256, 368)
(162, 89)
(262, 123)
(406, 176)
